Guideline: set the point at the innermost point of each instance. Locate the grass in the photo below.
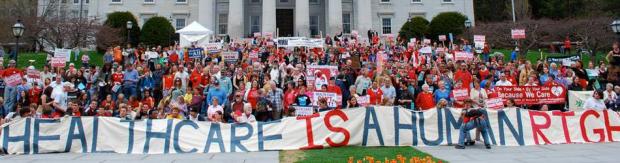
(534, 55)
(343, 154)
(40, 59)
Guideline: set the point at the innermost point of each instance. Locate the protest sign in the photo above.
(479, 39)
(231, 56)
(33, 73)
(257, 34)
(333, 100)
(460, 94)
(299, 42)
(427, 41)
(303, 110)
(576, 99)
(213, 47)
(494, 103)
(363, 100)
(564, 60)
(268, 34)
(463, 56)
(363, 127)
(518, 33)
(533, 95)
(442, 37)
(426, 50)
(195, 53)
(320, 74)
(253, 55)
(66, 53)
(354, 33)
(58, 61)
(13, 80)
(151, 54)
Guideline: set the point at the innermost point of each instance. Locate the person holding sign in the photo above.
(10, 91)
(478, 95)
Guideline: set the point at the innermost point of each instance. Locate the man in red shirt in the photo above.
(464, 75)
(10, 91)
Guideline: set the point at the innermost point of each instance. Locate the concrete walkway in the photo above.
(593, 152)
(249, 157)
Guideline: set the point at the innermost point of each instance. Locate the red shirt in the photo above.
(11, 71)
(174, 58)
(253, 98)
(34, 95)
(375, 96)
(168, 79)
(196, 78)
(117, 77)
(425, 101)
(289, 98)
(464, 76)
(149, 101)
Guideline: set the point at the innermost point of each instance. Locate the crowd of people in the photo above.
(163, 82)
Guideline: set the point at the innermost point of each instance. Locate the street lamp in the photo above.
(18, 31)
(129, 26)
(615, 26)
(468, 26)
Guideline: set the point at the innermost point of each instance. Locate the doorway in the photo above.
(285, 22)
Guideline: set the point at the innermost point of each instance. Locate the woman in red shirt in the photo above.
(117, 76)
(375, 94)
(289, 96)
(252, 95)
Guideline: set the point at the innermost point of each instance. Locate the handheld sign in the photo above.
(34, 74)
(230, 56)
(13, 80)
(58, 62)
(442, 37)
(363, 100)
(460, 94)
(518, 33)
(303, 110)
(62, 53)
(494, 103)
(195, 53)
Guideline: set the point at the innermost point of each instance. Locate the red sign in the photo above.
(463, 56)
(494, 103)
(13, 80)
(58, 62)
(533, 95)
(33, 73)
(518, 34)
(460, 94)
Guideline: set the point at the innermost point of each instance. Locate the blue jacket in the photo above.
(218, 93)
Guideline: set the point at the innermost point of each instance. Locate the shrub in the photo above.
(447, 22)
(119, 20)
(416, 27)
(157, 31)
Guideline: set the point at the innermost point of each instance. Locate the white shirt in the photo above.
(183, 76)
(212, 110)
(594, 104)
(503, 83)
(609, 96)
(61, 99)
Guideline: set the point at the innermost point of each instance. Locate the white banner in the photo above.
(299, 41)
(66, 53)
(576, 99)
(371, 126)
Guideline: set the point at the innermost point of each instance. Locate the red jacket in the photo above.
(425, 101)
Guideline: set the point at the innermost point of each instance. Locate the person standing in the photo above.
(10, 92)
(130, 81)
(275, 96)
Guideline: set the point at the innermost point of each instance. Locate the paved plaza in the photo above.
(595, 152)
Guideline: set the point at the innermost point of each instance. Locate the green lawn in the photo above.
(534, 55)
(343, 154)
(40, 59)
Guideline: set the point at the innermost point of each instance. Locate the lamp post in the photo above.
(129, 26)
(467, 26)
(170, 36)
(18, 31)
(615, 27)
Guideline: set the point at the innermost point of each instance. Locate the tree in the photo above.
(492, 10)
(416, 27)
(447, 22)
(593, 32)
(157, 31)
(537, 32)
(119, 20)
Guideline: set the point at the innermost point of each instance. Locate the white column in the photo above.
(302, 18)
(364, 16)
(334, 17)
(206, 14)
(269, 16)
(235, 19)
